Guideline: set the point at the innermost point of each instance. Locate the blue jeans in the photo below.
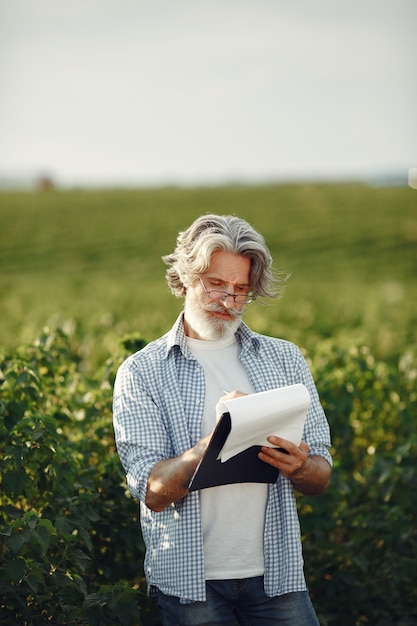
(242, 600)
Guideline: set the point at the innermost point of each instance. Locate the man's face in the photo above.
(210, 318)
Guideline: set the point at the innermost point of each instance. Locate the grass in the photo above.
(93, 258)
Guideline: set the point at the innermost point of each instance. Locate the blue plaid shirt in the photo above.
(157, 411)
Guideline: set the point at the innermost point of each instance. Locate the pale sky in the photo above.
(190, 91)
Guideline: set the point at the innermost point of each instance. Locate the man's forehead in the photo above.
(224, 258)
(229, 268)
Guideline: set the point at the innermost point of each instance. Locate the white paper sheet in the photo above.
(280, 412)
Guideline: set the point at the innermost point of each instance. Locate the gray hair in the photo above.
(209, 233)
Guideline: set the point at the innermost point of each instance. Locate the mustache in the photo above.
(218, 308)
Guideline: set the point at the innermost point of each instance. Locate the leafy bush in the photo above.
(70, 545)
(69, 533)
(361, 537)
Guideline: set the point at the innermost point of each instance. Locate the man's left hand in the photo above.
(309, 474)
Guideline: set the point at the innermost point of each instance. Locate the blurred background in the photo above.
(127, 92)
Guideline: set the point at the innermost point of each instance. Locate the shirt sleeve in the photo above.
(140, 433)
(316, 428)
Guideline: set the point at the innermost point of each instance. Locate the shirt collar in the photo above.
(176, 337)
(247, 338)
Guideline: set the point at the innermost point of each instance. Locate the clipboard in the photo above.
(244, 467)
(234, 459)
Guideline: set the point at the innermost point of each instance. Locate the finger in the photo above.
(231, 395)
(289, 446)
(275, 455)
(283, 444)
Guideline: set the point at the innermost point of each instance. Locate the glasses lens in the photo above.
(243, 299)
(214, 294)
(218, 295)
(222, 295)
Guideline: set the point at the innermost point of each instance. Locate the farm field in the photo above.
(82, 285)
(92, 259)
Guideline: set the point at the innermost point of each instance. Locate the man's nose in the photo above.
(229, 301)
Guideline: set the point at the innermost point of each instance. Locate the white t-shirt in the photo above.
(233, 516)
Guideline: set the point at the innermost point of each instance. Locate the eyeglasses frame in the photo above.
(248, 299)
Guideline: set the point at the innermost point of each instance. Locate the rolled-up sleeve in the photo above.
(316, 429)
(140, 433)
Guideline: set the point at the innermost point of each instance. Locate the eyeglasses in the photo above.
(216, 294)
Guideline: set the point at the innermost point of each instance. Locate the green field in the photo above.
(90, 261)
(93, 259)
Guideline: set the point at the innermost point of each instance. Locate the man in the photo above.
(232, 551)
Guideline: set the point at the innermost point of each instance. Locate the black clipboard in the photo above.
(244, 467)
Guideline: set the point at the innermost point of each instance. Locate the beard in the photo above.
(209, 327)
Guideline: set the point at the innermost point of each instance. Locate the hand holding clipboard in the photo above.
(245, 424)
